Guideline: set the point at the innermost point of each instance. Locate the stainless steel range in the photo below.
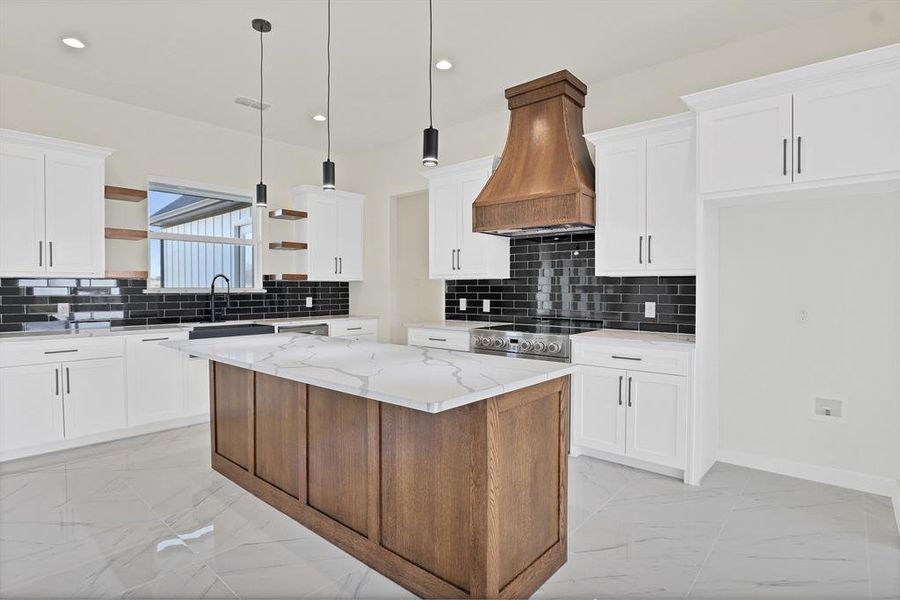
(542, 342)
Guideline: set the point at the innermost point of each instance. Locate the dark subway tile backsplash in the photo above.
(552, 279)
(30, 304)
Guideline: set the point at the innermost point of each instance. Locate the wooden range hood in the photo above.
(545, 181)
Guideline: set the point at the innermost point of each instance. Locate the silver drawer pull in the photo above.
(354, 328)
(59, 351)
(154, 339)
(626, 357)
(437, 339)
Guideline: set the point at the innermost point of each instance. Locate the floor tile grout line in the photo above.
(865, 516)
(605, 503)
(715, 541)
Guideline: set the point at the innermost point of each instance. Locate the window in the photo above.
(196, 233)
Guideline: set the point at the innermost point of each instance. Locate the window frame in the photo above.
(195, 187)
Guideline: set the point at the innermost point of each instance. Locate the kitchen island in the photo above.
(445, 471)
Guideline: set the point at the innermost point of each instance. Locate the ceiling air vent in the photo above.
(254, 104)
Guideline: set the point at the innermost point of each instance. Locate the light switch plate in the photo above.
(650, 310)
(62, 310)
(486, 306)
(462, 304)
(803, 314)
(309, 302)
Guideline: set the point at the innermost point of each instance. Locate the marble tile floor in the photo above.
(147, 518)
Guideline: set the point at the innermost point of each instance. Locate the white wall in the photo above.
(149, 142)
(633, 97)
(839, 257)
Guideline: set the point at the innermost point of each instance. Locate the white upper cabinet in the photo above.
(51, 206)
(333, 231)
(455, 251)
(745, 146)
(646, 198)
(831, 123)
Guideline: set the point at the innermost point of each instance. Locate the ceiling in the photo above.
(194, 57)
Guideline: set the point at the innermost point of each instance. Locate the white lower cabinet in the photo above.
(155, 379)
(93, 396)
(656, 422)
(31, 406)
(599, 409)
(196, 389)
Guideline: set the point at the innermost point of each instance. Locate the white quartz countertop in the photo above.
(620, 337)
(424, 379)
(452, 325)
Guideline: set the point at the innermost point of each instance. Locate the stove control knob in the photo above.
(498, 342)
(476, 341)
(539, 346)
(525, 346)
(554, 347)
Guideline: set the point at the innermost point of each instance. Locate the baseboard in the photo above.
(872, 484)
(896, 500)
(627, 461)
(106, 436)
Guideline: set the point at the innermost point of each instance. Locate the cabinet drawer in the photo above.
(50, 351)
(634, 359)
(438, 338)
(352, 328)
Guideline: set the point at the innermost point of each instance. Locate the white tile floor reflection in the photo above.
(147, 517)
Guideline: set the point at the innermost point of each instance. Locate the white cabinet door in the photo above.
(196, 387)
(671, 202)
(621, 207)
(22, 245)
(323, 231)
(31, 406)
(74, 213)
(350, 239)
(443, 205)
(155, 379)
(745, 146)
(847, 128)
(94, 396)
(657, 419)
(471, 253)
(599, 409)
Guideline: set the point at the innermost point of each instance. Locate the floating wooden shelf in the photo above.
(287, 214)
(126, 274)
(285, 277)
(112, 192)
(113, 233)
(287, 246)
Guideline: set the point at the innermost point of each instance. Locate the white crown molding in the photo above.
(681, 120)
(317, 190)
(53, 144)
(880, 60)
(486, 162)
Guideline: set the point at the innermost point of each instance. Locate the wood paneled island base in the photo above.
(469, 502)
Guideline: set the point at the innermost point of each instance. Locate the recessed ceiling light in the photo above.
(443, 65)
(73, 42)
(320, 118)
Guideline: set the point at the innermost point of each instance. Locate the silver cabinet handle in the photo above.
(625, 357)
(56, 378)
(453, 259)
(40, 253)
(620, 390)
(154, 339)
(60, 351)
(68, 382)
(799, 161)
(649, 254)
(458, 256)
(340, 264)
(784, 156)
(354, 328)
(641, 250)
(51, 253)
(629, 391)
(437, 339)
(335, 265)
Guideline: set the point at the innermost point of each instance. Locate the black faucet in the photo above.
(212, 296)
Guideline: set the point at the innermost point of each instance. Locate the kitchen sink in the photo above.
(228, 330)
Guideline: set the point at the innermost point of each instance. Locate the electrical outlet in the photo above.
(650, 310)
(803, 314)
(486, 306)
(309, 302)
(62, 310)
(462, 304)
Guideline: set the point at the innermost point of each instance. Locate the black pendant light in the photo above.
(262, 26)
(328, 166)
(430, 139)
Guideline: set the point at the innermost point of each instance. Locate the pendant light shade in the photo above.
(262, 26)
(430, 135)
(328, 165)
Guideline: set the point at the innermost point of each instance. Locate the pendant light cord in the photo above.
(328, 87)
(261, 105)
(430, 59)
